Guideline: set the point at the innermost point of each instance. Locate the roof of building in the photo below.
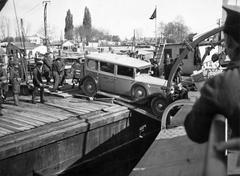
(28, 45)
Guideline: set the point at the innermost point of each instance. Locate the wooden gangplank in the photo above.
(140, 109)
(132, 105)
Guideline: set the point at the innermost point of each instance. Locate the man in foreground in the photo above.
(220, 94)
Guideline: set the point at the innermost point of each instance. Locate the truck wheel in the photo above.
(139, 92)
(89, 87)
(158, 106)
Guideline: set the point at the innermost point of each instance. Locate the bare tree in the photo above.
(138, 33)
(8, 26)
(50, 30)
(2, 27)
(5, 27)
(175, 31)
(27, 28)
(160, 29)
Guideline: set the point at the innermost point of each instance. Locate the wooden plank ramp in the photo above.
(143, 110)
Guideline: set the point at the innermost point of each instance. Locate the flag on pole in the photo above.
(154, 15)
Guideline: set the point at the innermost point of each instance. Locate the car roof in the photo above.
(119, 60)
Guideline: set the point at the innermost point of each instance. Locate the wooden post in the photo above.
(215, 161)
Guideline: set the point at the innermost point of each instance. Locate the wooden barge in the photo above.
(72, 136)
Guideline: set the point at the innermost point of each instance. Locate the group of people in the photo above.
(56, 69)
(15, 73)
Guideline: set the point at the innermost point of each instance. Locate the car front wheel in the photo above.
(158, 106)
(89, 87)
(139, 92)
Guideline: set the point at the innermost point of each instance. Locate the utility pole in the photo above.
(45, 23)
(23, 38)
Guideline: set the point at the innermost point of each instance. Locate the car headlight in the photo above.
(172, 89)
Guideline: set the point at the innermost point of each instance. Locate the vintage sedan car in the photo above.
(124, 76)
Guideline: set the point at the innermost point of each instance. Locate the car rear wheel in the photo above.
(158, 106)
(139, 92)
(89, 87)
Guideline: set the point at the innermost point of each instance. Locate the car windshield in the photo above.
(69, 61)
(143, 71)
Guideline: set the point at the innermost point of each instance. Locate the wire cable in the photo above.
(31, 10)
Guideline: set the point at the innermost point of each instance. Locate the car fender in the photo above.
(143, 85)
(91, 77)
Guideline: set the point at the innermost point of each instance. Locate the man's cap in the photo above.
(232, 23)
(1, 60)
(15, 62)
(39, 62)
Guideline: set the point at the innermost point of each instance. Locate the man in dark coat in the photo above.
(56, 69)
(47, 68)
(220, 94)
(77, 71)
(16, 79)
(63, 72)
(3, 84)
(38, 82)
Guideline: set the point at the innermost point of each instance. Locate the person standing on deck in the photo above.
(62, 72)
(77, 71)
(3, 84)
(56, 68)
(47, 68)
(38, 82)
(166, 66)
(15, 78)
(220, 94)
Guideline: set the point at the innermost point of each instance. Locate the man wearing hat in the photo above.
(15, 78)
(77, 71)
(47, 67)
(3, 84)
(220, 94)
(63, 73)
(37, 82)
(56, 69)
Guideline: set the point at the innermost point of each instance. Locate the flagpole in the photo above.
(156, 23)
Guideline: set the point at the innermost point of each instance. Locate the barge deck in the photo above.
(68, 136)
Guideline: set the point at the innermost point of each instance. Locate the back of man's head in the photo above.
(232, 23)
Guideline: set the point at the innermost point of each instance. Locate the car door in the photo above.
(106, 77)
(123, 80)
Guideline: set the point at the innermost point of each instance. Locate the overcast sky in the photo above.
(118, 17)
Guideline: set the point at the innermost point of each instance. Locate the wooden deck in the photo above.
(46, 130)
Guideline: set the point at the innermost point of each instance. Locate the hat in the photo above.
(15, 61)
(232, 23)
(1, 60)
(39, 62)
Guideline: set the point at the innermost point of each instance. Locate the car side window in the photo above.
(107, 67)
(125, 71)
(92, 64)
